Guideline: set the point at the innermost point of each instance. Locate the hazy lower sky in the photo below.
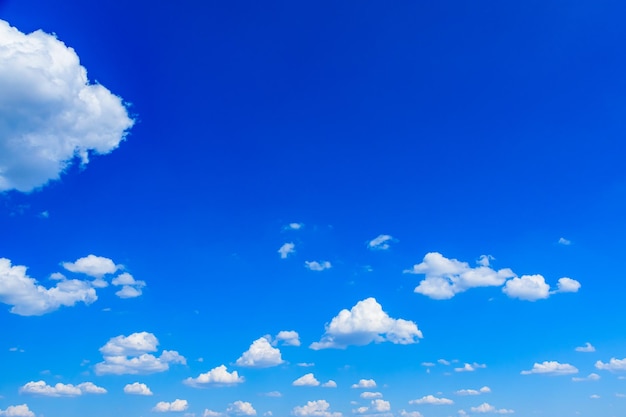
(325, 209)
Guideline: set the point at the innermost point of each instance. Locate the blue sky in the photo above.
(312, 209)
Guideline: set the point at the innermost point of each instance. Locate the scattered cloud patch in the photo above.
(17, 411)
(317, 266)
(218, 376)
(365, 323)
(51, 113)
(27, 298)
(294, 226)
(566, 284)
(241, 408)
(564, 242)
(365, 383)
(261, 354)
(527, 287)
(137, 388)
(483, 390)
(467, 367)
(92, 265)
(211, 413)
(381, 406)
(613, 365)
(287, 338)
(131, 287)
(307, 380)
(404, 413)
(488, 408)
(371, 395)
(444, 278)
(274, 394)
(329, 384)
(306, 364)
(286, 249)
(381, 242)
(551, 368)
(590, 377)
(431, 399)
(130, 355)
(587, 348)
(319, 408)
(176, 405)
(61, 390)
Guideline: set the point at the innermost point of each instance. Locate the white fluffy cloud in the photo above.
(287, 338)
(590, 377)
(329, 384)
(319, 408)
(370, 395)
(444, 278)
(218, 376)
(176, 405)
(431, 399)
(551, 368)
(286, 249)
(261, 354)
(470, 367)
(241, 408)
(50, 112)
(366, 322)
(613, 365)
(381, 406)
(61, 390)
(17, 411)
(381, 242)
(307, 380)
(587, 348)
(365, 383)
(137, 388)
(404, 413)
(483, 390)
(317, 266)
(129, 355)
(527, 287)
(28, 298)
(131, 287)
(92, 265)
(488, 408)
(566, 284)
(565, 242)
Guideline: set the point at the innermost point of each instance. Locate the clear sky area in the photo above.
(312, 208)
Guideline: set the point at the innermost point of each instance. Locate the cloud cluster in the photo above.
(50, 114)
(470, 367)
(319, 408)
(28, 298)
(366, 322)
(431, 399)
(551, 368)
(176, 405)
(241, 408)
(488, 408)
(444, 278)
(483, 390)
(17, 411)
(131, 287)
(317, 266)
(286, 249)
(130, 355)
(261, 354)
(218, 376)
(60, 390)
(613, 365)
(365, 383)
(381, 242)
(309, 380)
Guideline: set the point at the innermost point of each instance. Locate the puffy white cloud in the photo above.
(431, 399)
(137, 388)
(17, 411)
(483, 390)
(467, 367)
(488, 408)
(287, 338)
(404, 413)
(28, 298)
(317, 266)
(361, 410)
(307, 380)
(365, 383)
(319, 408)
(613, 365)
(92, 265)
(261, 354)
(551, 368)
(565, 242)
(369, 394)
(129, 355)
(366, 322)
(211, 413)
(381, 242)
(527, 287)
(176, 405)
(329, 384)
(444, 278)
(241, 408)
(131, 287)
(381, 406)
(216, 376)
(50, 112)
(566, 284)
(587, 348)
(590, 377)
(286, 249)
(61, 390)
